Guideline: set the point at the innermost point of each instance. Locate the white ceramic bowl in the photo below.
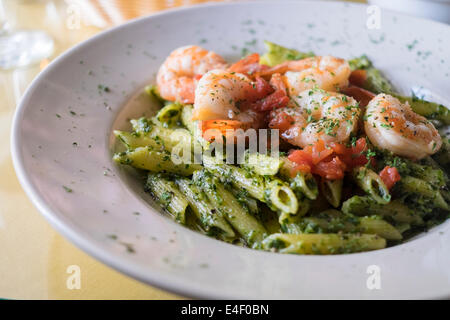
(438, 10)
(62, 146)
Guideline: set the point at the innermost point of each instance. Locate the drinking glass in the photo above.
(21, 48)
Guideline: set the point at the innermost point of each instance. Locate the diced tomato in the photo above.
(331, 161)
(302, 167)
(248, 65)
(352, 156)
(242, 65)
(360, 160)
(278, 99)
(277, 82)
(343, 152)
(338, 148)
(319, 151)
(360, 146)
(358, 77)
(281, 121)
(262, 89)
(266, 98)
(302, 159)
(359, 157)
(300, 156)
(361, 95)
(331, 170)
(390, 176)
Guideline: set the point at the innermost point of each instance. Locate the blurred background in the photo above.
(33, 33)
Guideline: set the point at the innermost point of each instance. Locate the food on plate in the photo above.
(291, 152)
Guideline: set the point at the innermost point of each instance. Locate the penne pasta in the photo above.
(323, 243)
(248, 226)
(155, 161)
(167, 195)
(263, 164)
(372, 184)
(169, 115)
(210, 218)
(332, 190)
(396, 210)
(420, 187)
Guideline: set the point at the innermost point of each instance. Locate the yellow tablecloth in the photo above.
(33, 257)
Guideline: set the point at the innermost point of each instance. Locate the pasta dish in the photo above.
(291, 152)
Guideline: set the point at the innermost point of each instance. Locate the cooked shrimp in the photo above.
(327, 73)
(316, 115)
(393, 125)
(223, 95)
(178, 76)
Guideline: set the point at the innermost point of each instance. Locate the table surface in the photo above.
(35, 258)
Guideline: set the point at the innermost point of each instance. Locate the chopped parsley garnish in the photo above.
(102, 88)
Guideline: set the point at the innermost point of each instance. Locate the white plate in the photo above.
(64, 106)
